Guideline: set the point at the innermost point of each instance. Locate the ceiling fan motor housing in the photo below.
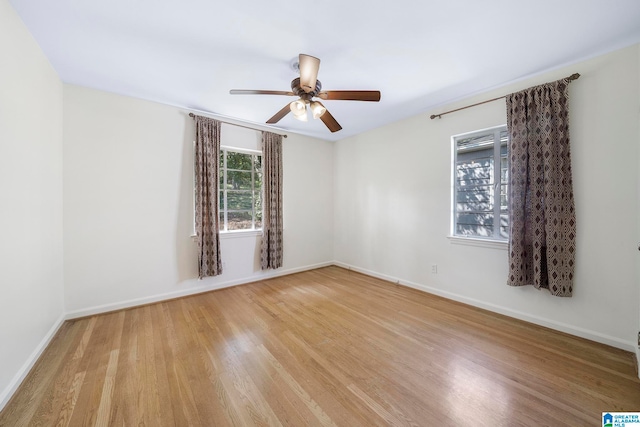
(307, 96)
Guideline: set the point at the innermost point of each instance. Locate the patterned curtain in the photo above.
(207, 153)
(271, 248)
(542, 228)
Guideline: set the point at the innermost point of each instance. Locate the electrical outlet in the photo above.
(434, 268)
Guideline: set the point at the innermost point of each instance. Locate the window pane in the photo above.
(475, 224)
(474, 183)
(238, 180)
(221, 221)
(257, 205)
(239, 200)
(484, 218)
(504, 201)
(474, 172)
(476, 199)
(480, 206)
(504, 226)
(474, 143)
(504, 170)
(241, 188)
(239, 221)
(475, 194)
(504, 177)
(239, 161)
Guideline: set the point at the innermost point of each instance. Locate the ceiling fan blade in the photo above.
(331, 123)
(309, 66)
(279, 115)
(351, 95)
(259, 92)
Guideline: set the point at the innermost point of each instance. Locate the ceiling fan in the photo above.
(306, 87)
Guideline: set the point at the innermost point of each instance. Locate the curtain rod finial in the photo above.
(433, 116)
(574, 76)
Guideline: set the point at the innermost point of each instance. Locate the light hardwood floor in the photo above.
(324, 347)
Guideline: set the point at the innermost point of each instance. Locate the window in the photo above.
(480, 208)
(240, 190)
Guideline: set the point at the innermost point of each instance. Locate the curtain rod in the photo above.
(433, 116)
(284, 135)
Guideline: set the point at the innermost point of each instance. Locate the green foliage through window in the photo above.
(240, 190)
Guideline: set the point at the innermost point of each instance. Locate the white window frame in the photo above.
(225, 233)
(496, 240)
(223, 174)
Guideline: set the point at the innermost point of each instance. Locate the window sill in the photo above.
(236, 234)
(239, 233)
(484, 243)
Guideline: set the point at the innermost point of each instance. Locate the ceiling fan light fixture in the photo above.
(302, 117)
(299, 110)
(298, 107)
(317, 109)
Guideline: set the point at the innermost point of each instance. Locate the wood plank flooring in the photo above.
(327, 347)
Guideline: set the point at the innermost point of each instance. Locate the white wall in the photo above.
(128, 204)
(31, 288)
(393, 203)
(638, 245)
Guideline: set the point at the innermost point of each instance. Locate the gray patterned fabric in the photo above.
(207, 153)
(271, 248)
(542, 219)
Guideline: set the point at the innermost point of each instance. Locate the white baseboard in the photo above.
(8, 392)
(104, 308)
(367, 272)
(538, 320)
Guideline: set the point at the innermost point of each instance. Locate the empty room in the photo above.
(346, 213)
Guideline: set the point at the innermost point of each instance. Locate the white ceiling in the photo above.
(419, 54)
